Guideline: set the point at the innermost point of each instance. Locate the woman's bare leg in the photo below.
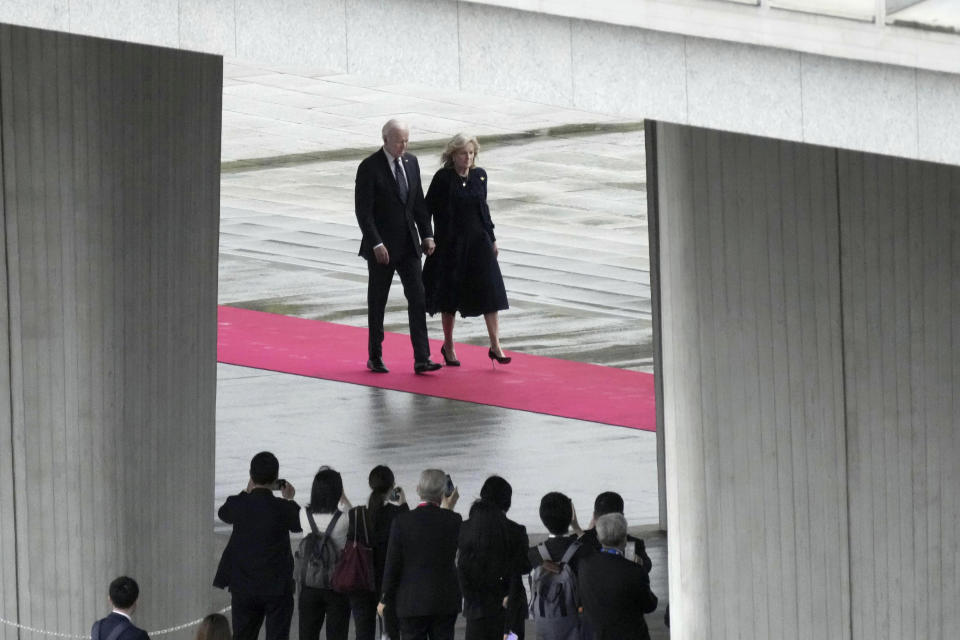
(448, 320)
(493, 329)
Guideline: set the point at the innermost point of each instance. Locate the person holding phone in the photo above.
(257, 564)
(420, 574)
(385, 503)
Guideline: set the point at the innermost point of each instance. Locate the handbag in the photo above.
(354, 571)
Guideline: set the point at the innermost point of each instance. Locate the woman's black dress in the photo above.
(462, 274)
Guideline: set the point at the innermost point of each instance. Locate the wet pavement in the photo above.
(567, 193)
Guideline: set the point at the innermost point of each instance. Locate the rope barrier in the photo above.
(86, 636)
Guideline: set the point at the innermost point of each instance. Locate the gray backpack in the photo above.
(317, 556)
(555, 597)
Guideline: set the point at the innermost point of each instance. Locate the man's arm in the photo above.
(364, 196)
(228, 512)
(421, 214)
(646, 599)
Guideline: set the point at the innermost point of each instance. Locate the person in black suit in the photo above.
(612, 502)
(615, 591)
(257, 564)
(420, 575)
(393, 217)
(118, 625)
(492, 558)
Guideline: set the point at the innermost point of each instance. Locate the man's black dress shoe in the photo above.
(425, 366)
(376, 365)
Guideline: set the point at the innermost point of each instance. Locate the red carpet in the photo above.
(530, 383)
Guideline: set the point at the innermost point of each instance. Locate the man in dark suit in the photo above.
(118, 625)
(615, 591)
(420, 576)
(612, 502)
(393, 218)
(257, 565)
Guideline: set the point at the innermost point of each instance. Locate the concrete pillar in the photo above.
(809, 300)
(110, 208)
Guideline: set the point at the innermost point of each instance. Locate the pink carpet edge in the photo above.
(536, 384)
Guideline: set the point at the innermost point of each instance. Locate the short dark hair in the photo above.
(264, 468)
(124, 592)
(326, 491)
(498, 491)
(556, 512)
(607, 502)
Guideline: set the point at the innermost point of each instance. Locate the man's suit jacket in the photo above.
(420, 576)
(615, 593)
(257, 560)
(104, 627)
(383, 216)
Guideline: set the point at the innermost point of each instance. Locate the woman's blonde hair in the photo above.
(458, 142)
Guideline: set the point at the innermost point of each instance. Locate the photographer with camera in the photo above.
(257, 564)
(420, 575)
(373, 522)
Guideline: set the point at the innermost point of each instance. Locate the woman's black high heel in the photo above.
(500, 359)
(450, 362)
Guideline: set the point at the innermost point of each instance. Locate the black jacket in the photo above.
(257, 560)
(615, 593)
(420, 575)
(382, 215)
(108, 624)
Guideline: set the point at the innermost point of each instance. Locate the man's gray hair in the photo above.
(612, 530)
(431, 485)
(393, 124)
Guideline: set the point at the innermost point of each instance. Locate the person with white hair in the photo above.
(393, 217)
(420, 574)
(614, 591)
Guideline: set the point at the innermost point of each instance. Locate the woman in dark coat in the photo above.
(463, 275)
(492, 557)
(374, 519)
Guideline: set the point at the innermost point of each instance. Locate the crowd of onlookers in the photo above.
(406, 571)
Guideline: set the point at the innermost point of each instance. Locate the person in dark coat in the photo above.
(257, 564)
(463, 274)
(420, 574)
(615, 592)
(393, 218)
(371, 524)
(492, 557)
(123, 594)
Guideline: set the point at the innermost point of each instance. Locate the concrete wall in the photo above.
(110, 195)
(809, 304)
(721, 65)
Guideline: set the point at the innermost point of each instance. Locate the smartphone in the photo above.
(395, 495)
(449, 488)
(279, 485)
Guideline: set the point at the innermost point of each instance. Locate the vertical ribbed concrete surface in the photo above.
(809, 334)
(110, 190)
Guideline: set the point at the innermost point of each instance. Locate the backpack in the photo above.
(317, 556)
(555, 597)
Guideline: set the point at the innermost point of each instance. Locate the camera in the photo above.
(449, 488)
(394, 495)
(279, 485)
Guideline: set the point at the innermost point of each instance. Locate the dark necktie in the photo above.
(401, 180)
